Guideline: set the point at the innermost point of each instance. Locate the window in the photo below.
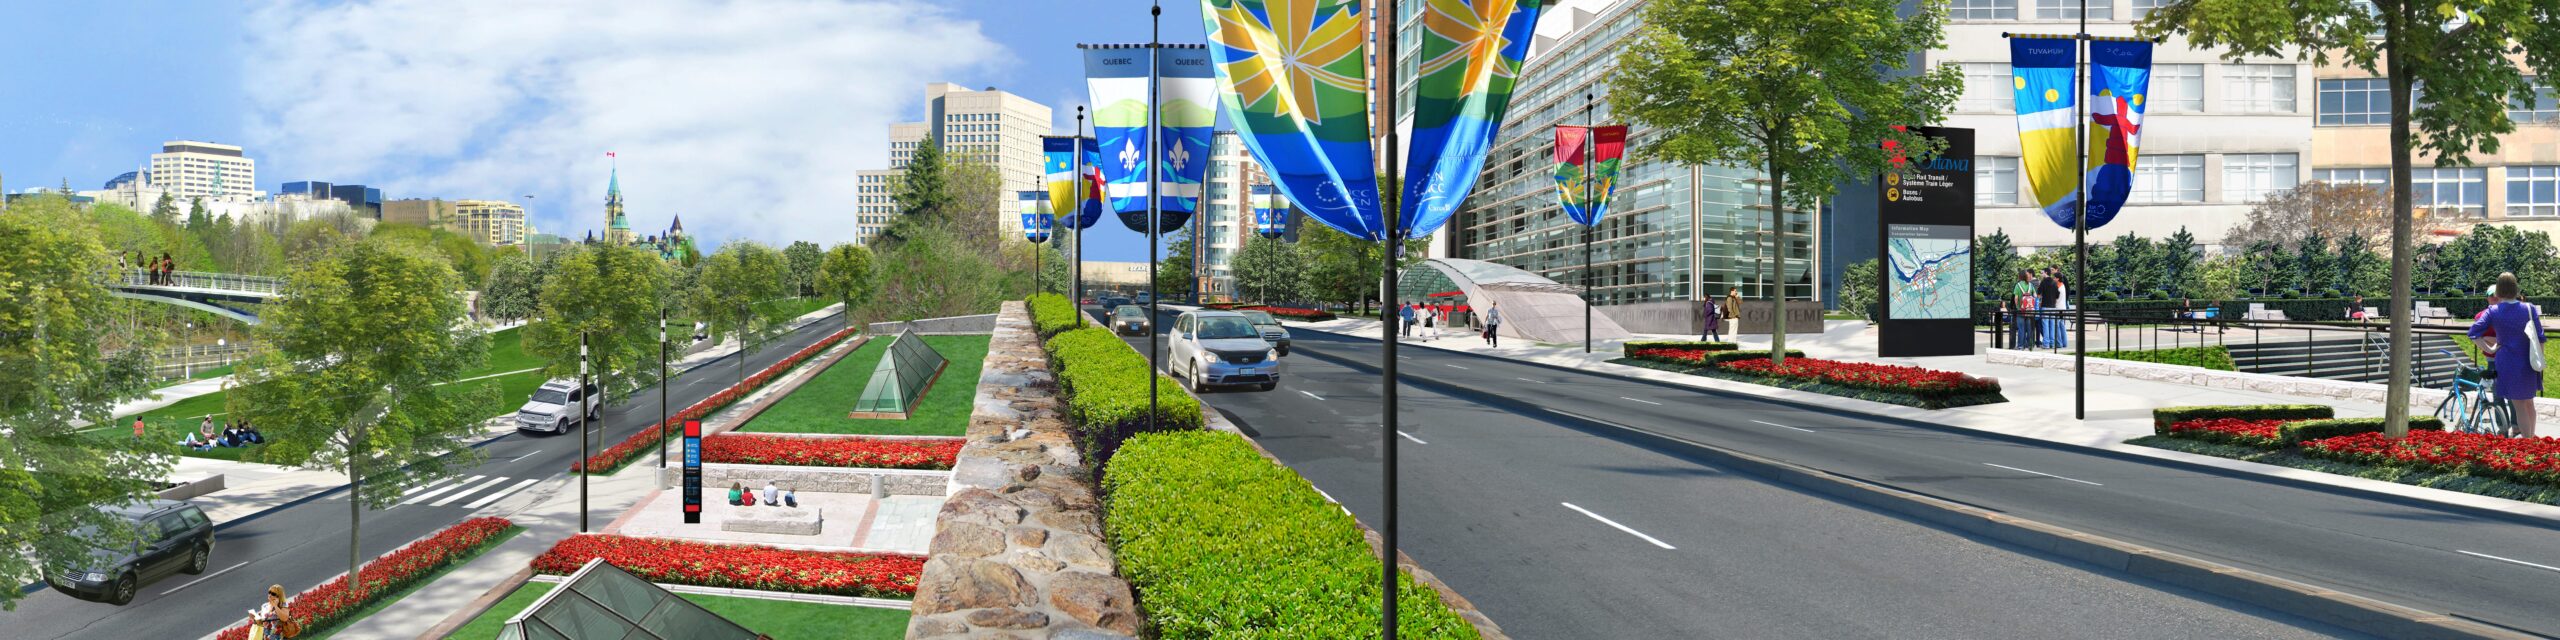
(2533, 191)
(1995, 181)
(2258, 88)
(2544, 107)
(2377, 177)
(2142, 8)
(2249, 177)
(2354, 101)
(2070, 9)
(1982, 10)
(2168, 179)
(2176, 88)
(1988, 86)
(2450, 190)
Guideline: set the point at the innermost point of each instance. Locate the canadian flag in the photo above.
(609, 154)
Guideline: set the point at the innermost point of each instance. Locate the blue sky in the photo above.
(744, 117)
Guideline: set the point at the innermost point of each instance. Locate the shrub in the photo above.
(1220, 541)
(1695, 357)
(1925, 383)
(2534, 460)
(880, 453)
(647, 439)
(2307, 430)
(2162, 417)
(1698, 345)
(1051, 313)
(739, 566)
(2216, 357)
(2256, 433)
(1104, 383)
(1295, 313)
(331, 602)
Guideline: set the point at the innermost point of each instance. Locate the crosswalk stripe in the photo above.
(414, 490)
(458, 495)
(483, 502)
(423, 496)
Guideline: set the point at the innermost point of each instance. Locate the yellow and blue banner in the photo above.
(2120, 73)
(1059, 162)
(1036, 219)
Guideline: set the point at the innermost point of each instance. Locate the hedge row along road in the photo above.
(276, 547)
(1496, 450)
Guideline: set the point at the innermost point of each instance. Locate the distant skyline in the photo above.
(746, 118)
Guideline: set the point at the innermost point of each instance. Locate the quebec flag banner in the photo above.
(2119, 76)
(1117, 76)
(1036, 220)
(1186, 115)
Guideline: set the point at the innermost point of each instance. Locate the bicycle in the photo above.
(2470, 406)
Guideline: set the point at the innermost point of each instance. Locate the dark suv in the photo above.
(176, 537)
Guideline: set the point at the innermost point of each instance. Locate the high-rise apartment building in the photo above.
(872, 205)
(496, 223)
(1226, 212)
(987, 127)
(191, 169)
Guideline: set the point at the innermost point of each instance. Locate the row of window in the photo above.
(2367, 101)
(2045, 9)
(2175, 88)
(2249, 177)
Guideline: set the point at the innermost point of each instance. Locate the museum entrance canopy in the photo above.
(603, 602)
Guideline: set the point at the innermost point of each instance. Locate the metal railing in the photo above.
(2169, 327)
(202, 280)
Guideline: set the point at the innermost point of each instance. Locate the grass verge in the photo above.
(820, 405)
(2287, 457)
(782, 619)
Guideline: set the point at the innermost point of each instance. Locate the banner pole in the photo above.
(2080, 218)
(1387, 343)
(1155, 147)
(1077, 185)
(1590, 138)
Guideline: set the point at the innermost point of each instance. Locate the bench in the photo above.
(782, 520)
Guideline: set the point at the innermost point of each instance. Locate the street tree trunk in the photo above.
(355, 511)
(1778, 253)
(2395, 404)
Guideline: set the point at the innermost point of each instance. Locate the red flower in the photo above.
(833, 452)
(740, 566)
(2523, 459)
(2266, 433)
(647, 439)
(1310, 315)
(331, 602)
(1864, 375)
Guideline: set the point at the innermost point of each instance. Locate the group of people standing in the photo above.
(1717, 310)
(204, 438)
(159, 270)
(1431, 317)
(2046, 293)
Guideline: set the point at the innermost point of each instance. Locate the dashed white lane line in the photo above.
(2513, 560)
(465, 493)
(1529, 380)
(529, 455)
(483, 502)
(2048, 475)
(1310, 395)
(1409, 436)
(1620, 527)
(208, 576)
(1773, 424)
(449, 487)
(1650, 402)
(1452, 366)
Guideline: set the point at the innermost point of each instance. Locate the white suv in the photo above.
(549, 408)
(1210, 348)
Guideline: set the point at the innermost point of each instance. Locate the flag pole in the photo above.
(2080, 217)
(1590, 135)
(1155, 145)
(1387, 285)
(1078, 186)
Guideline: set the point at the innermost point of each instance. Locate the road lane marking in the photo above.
(423, 496)
(483, 502)
(458, 495)
(1452, 366)
(1620, 527)
(1310, 395)
(529, 455)
(208, 576)
(1529, 380)
(2048, 475)
(2521, 562)
(1409, 436)
(1650, 402)
(1773, 424)
(423, 487)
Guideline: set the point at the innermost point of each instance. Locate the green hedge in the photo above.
(1105, 386)
(1632, 346)
(2162, 417)
(1710, 359)
(2297, 432)
(1221, 542)
(2216, 357)
(1051, 313)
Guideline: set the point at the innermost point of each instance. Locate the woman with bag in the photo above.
(275, 619)
(2518, 359)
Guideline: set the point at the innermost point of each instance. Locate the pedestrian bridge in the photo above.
(200, 290)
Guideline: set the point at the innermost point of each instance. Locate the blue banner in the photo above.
(1036, 219)
(1293, 75)
(1117, 77)
(1059, 163)
(2119, 76)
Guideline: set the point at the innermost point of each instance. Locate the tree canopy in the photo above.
(609, 295)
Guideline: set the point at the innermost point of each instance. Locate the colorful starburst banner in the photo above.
(2119, 75)
(1587, 161)
(1470, 52)
(1060, 164)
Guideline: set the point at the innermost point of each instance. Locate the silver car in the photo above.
(1271, 330)
(1221, 348)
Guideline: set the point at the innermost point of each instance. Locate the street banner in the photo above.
(1059, 163)
(2119, 76)
(1117, 77)
(1293, 76)
(1925, 211)
(1270, 211)
(1186, 115)
(1470, 52)
(1036, 219)
(1601, 147)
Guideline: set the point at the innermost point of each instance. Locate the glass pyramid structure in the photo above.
(603, 602)
(902, 376)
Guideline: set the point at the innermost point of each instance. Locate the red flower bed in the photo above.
(2523, 459)
(833, 452)
(1676, 356)
(1863, 375)
(740, 566)
(1293, 313)
(647, 438)
(2264, 433)
(331, 602)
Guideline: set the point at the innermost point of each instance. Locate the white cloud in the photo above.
(747, 117)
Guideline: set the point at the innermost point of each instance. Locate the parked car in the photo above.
(176, 537)
(549, 408)
(1271, 330)
(1129, 320)
(1221, 348)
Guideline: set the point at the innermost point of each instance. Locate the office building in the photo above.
(496, 223)
(363, 200)
(191, 169)
(2519, 185)
(423, 212)
(872, 203)
(987, 127)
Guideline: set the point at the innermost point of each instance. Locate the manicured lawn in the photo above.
(821, 405)
(795, 307)
(2550, 352)
(171, 423)
(379, 604)
(782, 619)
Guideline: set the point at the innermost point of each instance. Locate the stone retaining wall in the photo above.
(900, 482)
(2421, 399)
(977, 325)
(1018, 549)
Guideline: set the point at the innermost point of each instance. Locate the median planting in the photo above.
(936, 454)
(2535, 460)
(647, 439)
(1104, 384)
(2306, 437)
(1894, 384)
(734, 566)
(333, 602)
(1293, 313)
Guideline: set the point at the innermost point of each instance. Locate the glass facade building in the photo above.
(1672, 232)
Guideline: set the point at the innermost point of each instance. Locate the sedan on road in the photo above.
(1216, 348)
(1271, 330)
(1129, 320)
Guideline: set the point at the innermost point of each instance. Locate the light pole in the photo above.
(1387, 344)
(586, 426)
(1076, 292)
(1590, 138)
(662, 387)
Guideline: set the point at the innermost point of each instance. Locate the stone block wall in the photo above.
(901, 482)
(1018, 549)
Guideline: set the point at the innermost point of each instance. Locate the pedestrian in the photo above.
(1714, 331)
(1430, 323)
(2518, 358)
(137, 427)
(1404, 319)
(1733, 309)
(772, 494)
(1493, 325)
(274, 620)
(2022, 296)
(2048, 294)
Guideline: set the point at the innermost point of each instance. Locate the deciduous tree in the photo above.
(513, 289)
(803, 257)
(1269, 270)
(849, 275)
(609, 294)
(735, 280)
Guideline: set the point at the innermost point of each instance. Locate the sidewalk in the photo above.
(2039, 407)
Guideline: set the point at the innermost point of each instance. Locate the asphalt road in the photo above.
(301, 545)
(1495, 449)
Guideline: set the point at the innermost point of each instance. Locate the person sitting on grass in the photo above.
(249, 433)
(204, 431)
(194, 443)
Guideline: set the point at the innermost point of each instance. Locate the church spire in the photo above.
(617, 226)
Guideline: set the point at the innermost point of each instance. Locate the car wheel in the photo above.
(1267, 386)
(1284, 352)
(197, 559)
(121, 593)
(1196, 385)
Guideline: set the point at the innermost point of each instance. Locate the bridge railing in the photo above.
(204, 280)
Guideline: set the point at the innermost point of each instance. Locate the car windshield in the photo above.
(1132, 313)
(551, 396)
(1259, 317)
(1225, 327)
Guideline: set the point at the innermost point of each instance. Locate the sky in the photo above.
(746, 117)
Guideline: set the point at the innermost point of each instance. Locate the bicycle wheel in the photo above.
(2450, 407)
(2476, 421)
(2502, 418)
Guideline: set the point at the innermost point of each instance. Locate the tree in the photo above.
(467, 256)
(849, 275)
(166, 211)
(197, 219)
(512, 290)
(1803, 89)
(2178, 262)
(2261, 266)
(923, 194)
(803, 257)
(1268, 270)
(2335, 209)
(1344, 269)
(348, 375)
(609, 295)
(1858, 288)
(2313, 264)
(2358, 270)
(1995, 265)
(54, 312)
(2218, 279)
(735, 281)
(933, 274)
(1174, 274)
(2473, 54)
